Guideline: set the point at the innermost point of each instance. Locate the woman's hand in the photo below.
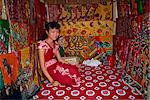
(56, 83)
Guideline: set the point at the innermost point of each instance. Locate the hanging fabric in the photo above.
(9, 67)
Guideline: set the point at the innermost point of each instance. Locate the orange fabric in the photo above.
(12, 60)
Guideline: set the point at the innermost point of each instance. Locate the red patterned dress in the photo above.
(65, 74)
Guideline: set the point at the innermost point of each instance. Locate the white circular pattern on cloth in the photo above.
(110, 88)
(100, 77)
(105, 74)
(60, 92)
(62, 86)
(116, 74)
(75, 92)
(93, 74)
(45, 92)
(46, 81)
(97, 68)
(116, 84)
(49, 85)
(98, 72)
(105, 92)
(120, 80)
(103, 69)
(88, 77)
(88, 73)
(115, 97)
(131, 97)
(50, 97)
(119, 71)
(134, 91)
(109, 72)
(68, 88)
(107, 67)
(107, 80)
(102, 84)
(90, 92)
(82, 75)
(93, 70)
(54, 88)
(82, 98)
(112, 77)
(66, 98)
(82, 66)
(125, 87)
(120, 92)
(88, 68)
(77, 85)
(35, 97)
(89, 84)
(95, 80)
(98, 98)
(82, 88)
(96, 88)
(82, 81)
(42, 88)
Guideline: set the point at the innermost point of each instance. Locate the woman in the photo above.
(57, 71)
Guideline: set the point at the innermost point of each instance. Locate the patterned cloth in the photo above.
(80, 12)
(64, 73)
(98, 83)
(4, 36)
(13, 64)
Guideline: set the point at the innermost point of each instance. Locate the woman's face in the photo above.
(53, 34)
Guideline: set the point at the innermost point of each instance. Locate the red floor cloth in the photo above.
(98, 83)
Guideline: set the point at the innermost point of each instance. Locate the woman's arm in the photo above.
(60, 59)
(42, 62)
(57, 53)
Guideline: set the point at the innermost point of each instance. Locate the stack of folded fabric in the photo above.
(72, 60)
(92, 62)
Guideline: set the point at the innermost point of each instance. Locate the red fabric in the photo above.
(101, 83)
(64, 73)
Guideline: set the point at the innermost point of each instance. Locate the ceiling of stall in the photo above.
(75, 1)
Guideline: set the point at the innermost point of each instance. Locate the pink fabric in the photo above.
(64, 73)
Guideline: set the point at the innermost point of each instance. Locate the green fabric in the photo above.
(1, 81)
(61, 50)
(140, 6)
(4, 31)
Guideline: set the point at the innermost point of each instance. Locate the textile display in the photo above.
(1, 9)
(4, 36)
(19, 36)
(102, 82)
(9, 67)
(18, 10)
(30, 76)
(132, 7)
(120, 50)
(125, 23)
(1, 81)
(84, 39)
(81, 12)
(40, 14)
(29, 62)
(133, 53)
(31, 37)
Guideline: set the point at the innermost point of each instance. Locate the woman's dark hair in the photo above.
(52, 25)
(48, 26)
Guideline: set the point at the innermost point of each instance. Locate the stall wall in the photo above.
(85, 27)
(131, 43)
(19, 33)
